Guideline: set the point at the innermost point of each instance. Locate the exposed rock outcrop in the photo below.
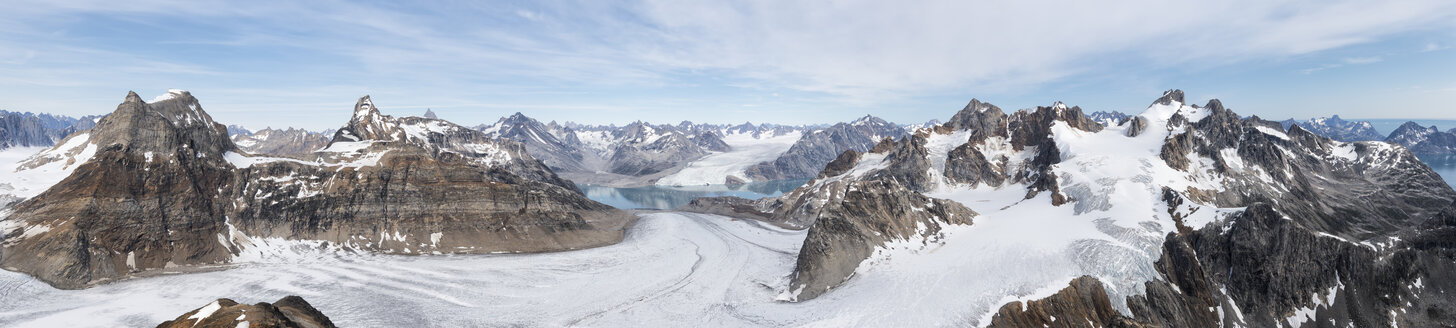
(866, 215)
(808, 155)
(288, 312)
(289, 142)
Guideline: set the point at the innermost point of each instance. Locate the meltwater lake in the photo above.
(1445, 165)
(671, 197)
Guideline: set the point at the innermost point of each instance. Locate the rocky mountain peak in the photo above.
(977, 116)
(172, 122)
(1214, 106)
(1169, 97)
(1412, 126)
(368, 124)
(869, 120)
(364, 109)
(430, 114)
(518, 117)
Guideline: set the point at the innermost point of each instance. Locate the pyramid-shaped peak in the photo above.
(364, 109)
(136, 123)
(430, 114)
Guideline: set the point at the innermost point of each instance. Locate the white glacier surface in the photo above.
(745, 151)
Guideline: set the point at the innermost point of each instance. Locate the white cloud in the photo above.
(884, 48)
(1344, 62)
(855, 52)
(1362, 60)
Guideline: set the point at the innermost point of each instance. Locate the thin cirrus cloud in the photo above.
(1342, 63)
(593, 61)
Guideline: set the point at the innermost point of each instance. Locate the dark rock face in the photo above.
(646, 149)
(1084, 303)
(1328, 236)
(1263, 270)
(167, 188)
(558, 148)
(1338, 129)
(149, 197)
(983, 119)
(966, 164)
(808, 155)
(288, 143)
(35, 130)
(289, 312)
(1423, 140)
(869, 213)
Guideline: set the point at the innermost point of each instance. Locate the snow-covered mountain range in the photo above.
(688, 153)
(158, 185)
(39, 130)
(1183, 215)
(280, 142)
(1424, 140)
(1339, 129)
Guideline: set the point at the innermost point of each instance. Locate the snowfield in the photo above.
(21, 183)
(673, 269)
(745, 151)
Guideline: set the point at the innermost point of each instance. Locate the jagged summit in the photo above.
(1337, 128)
(1169, 97)
(1195, 166)
(430, 114)
(979, 106)
(1424, 139)
(162, 125)
(364, 109)
(367, 124)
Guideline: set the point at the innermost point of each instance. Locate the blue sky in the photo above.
(304, 63)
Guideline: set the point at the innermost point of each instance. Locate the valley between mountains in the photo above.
(1182, 215)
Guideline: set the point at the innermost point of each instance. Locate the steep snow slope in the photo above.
(745, 150)
(28, 171)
